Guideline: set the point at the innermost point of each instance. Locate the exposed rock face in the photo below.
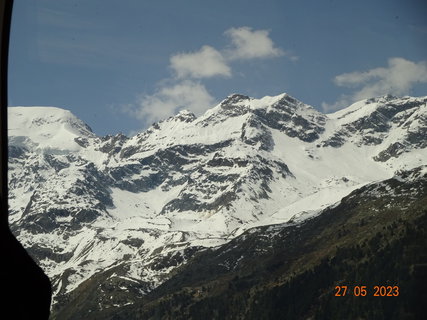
(139, 207)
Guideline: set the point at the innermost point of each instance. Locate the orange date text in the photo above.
(363, 291)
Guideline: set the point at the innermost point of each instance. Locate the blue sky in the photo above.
(120, 65)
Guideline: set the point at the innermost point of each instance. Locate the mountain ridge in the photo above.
(93, 203)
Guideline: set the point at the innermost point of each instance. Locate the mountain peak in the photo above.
(36, 116)
(233, 99)
(185, 115)
(280, 101)
(48, 128)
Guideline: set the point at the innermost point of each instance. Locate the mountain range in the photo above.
(239, 203)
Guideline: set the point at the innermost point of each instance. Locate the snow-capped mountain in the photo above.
(141, 206)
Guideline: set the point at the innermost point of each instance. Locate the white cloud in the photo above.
(181, 91)
(168, 100)
(205, 63)
(248, 44)
(397, 78)
(209, 62)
